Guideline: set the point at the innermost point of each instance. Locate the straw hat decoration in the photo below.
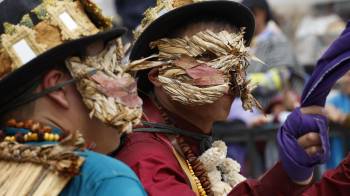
(162, 7)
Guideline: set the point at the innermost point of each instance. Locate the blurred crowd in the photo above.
(285, 50)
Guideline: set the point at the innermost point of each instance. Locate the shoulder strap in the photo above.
(205, 140)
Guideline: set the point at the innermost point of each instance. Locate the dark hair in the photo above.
(259, 4)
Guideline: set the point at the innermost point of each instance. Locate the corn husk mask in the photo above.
(110, 93)
(191, 80)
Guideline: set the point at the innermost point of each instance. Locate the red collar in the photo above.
(152, 114)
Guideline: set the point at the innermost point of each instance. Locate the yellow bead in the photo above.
(56, 137)
(35, 137)
(26, 137)
(29, 136)
(196, 180)
(51, 137)
(46, 136)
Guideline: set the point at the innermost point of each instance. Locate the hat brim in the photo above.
(11, 83)
(228, 11)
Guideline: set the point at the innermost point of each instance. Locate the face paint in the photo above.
(202, 68)
(111, 93)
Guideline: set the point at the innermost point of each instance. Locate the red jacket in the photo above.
(151, 157)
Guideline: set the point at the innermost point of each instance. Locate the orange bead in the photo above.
(35, 127)
(28, 124)
(47, 129)
(11, 123)
(20, 125)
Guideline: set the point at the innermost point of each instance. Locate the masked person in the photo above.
(60, 73)
(191, 57)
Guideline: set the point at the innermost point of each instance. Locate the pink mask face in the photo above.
(123, 89)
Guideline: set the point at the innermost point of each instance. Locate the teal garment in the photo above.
(340, 101)
(102, 175)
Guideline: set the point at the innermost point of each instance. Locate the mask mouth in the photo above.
(110, 93)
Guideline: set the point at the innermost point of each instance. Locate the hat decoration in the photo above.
(111, 93)
(59, 22)
(163, 6)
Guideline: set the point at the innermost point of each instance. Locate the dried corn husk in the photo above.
(38, 170)
(192, 95)
(177, 56)
(105, 94)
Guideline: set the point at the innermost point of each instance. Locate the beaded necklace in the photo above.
(196, 167)
(29, 131)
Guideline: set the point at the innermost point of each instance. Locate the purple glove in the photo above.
(334, 63)
(296, 162)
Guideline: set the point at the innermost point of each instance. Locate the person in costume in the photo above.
(191, 57)
(60, 75)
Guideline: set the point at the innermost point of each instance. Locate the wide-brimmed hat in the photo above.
(228, 11)
(36, 35)
(169, 16)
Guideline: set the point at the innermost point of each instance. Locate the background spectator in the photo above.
(338, 110)
(316, 32)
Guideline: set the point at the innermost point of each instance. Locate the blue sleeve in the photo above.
(120, 186)
(334, 101)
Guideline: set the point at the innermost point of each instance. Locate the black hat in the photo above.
(26, 15)
(227, 11)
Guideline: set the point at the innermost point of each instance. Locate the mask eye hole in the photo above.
(234, 90)
(207, 56)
